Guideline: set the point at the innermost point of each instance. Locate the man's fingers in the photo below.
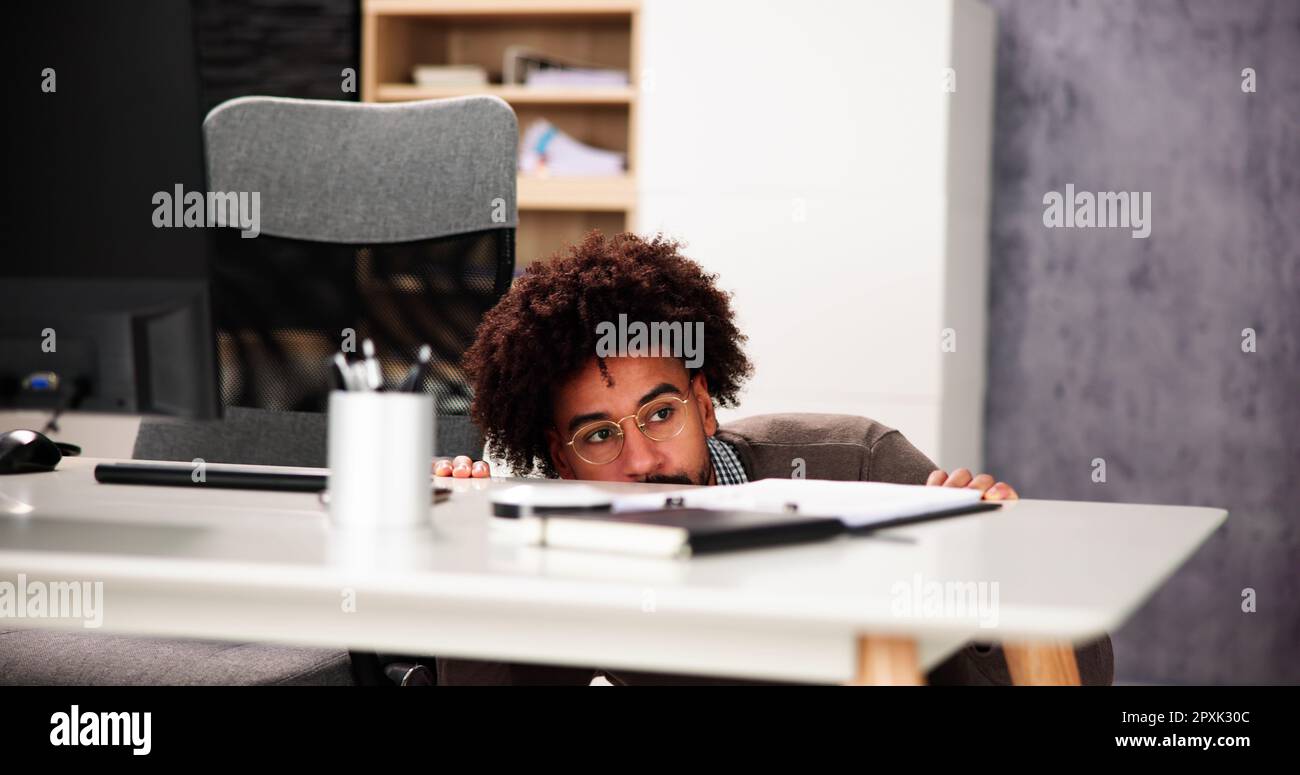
(461, 468)
(992, 489)
(960, 478)
(982, 483)
(1001, 492)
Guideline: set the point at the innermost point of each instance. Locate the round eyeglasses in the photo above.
(601, 442)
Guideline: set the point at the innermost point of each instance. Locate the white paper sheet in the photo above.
(858, 504)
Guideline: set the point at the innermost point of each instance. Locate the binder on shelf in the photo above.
(526, 66)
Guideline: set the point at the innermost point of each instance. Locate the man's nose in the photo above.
(641, 456)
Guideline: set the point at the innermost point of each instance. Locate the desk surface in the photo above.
(264, 566)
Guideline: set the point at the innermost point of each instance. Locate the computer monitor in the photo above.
(101, 309)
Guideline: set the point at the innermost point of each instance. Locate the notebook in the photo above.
(676, 532)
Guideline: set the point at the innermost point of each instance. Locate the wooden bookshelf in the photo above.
(597, 194)
(515, 95)
(397, 35)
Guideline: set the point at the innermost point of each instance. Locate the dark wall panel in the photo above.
(281, 48)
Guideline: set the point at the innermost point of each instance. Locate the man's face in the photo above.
(585, 399)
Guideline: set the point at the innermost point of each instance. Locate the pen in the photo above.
(413, 377)
(345, 371)
(372, 378)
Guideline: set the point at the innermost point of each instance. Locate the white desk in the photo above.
(261, 566)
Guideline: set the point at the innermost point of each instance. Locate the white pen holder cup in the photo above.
(380, 452)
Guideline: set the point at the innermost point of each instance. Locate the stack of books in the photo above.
(449, 76)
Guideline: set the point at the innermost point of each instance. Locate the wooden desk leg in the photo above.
(1042, 664)
(886, 661)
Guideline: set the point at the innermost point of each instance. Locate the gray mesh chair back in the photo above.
(389, 222)
(392, 222)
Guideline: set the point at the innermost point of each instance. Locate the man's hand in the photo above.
(1001, 491)
(461, 468)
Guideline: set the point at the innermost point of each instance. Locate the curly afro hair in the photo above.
(544, 330)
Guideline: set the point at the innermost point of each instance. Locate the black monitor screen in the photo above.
(103, 302)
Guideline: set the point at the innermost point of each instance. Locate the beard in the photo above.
(702, 477)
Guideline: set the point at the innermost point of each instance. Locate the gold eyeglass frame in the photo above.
(618, 426)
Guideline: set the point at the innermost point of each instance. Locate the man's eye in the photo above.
(595, 437)
(661, 414)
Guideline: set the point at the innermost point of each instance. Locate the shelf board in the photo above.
(515, 95)
(501, 8)
(612, 194)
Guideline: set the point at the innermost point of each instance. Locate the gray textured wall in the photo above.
(1104, 346)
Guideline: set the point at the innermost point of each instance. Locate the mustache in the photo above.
(668, 479)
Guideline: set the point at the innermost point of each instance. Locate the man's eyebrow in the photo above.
(656, 391)
(583, 419)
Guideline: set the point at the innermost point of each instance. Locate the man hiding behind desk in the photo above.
(584, 370)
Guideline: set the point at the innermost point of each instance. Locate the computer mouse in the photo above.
(27, 452)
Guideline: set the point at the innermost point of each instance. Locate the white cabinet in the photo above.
(815, 155)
